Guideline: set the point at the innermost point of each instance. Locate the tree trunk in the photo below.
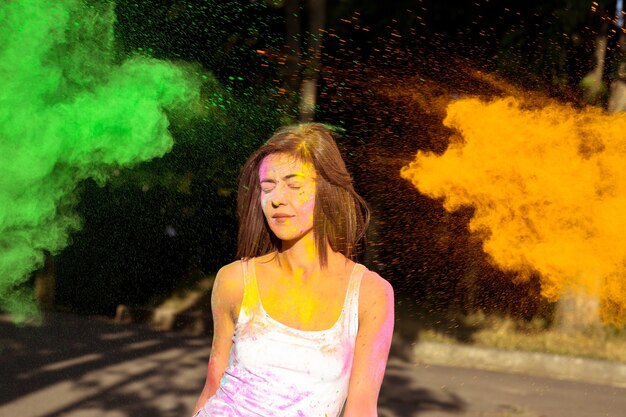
(308, 96)
(45, 283)
(617, 98)
(291, 73)
(308, 90)
(577, 310)
(593, 83)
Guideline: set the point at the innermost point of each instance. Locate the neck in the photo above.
(300, 259)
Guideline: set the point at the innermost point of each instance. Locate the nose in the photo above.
(278, 196)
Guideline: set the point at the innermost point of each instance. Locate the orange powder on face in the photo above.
(548, 186)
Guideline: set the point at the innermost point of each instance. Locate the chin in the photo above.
(286, 237)
(289, 236)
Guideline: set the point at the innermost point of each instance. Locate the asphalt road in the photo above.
(441, 391)
(76, 367)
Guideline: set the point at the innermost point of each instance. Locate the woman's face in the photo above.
(287, 195)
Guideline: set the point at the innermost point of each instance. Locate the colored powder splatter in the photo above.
(68, 111)
(548, 187)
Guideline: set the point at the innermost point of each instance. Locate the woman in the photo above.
(299, 328)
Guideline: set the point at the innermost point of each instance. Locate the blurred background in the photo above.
(148, 234)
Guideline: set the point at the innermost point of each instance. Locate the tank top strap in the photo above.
(352, 303)
(250, 292)
(245, 265)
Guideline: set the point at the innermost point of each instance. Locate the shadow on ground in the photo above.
(74, 366)
(404, 394)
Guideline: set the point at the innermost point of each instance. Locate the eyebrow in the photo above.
(286, 177)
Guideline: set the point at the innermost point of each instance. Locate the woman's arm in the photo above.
(225, 297)
(376, 318)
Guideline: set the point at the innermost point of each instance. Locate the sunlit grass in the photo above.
(532, 336)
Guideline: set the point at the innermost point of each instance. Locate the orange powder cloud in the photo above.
(548, 186)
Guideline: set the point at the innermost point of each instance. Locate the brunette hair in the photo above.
(340, 215)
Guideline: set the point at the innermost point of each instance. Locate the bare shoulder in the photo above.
(375, 295)
(231, 271)
(228, 287)
(373, 286)
(231, 275)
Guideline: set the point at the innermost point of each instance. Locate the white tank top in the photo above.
(275, 370)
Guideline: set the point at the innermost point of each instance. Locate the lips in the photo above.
(281, 216)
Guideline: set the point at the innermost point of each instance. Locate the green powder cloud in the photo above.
(69, 110)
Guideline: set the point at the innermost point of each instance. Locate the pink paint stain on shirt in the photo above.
(278, 371)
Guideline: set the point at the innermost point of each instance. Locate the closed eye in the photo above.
(267, 188)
